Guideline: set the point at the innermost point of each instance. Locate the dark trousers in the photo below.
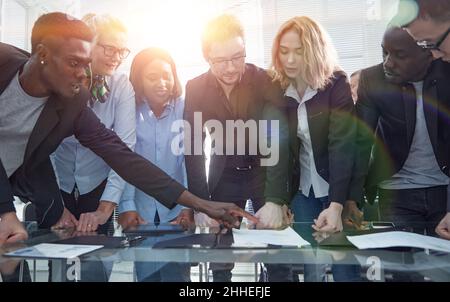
(170, 272)
(417, 210)
(237, 186)
(14, 276)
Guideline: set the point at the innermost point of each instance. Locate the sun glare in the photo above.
(173, 25)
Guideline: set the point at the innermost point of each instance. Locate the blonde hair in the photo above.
(104, 24)
(319, 55)
(221, 29)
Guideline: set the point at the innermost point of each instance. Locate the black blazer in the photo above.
(387, 114)
(60, 118)
(332, 130)
(259, 98)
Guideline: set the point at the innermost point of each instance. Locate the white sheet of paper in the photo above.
(54, 251)
(399, 239)
(262, 238)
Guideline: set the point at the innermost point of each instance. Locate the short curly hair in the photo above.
(59, 25)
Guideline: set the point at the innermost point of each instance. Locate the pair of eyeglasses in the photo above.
(434, 46)
(222, 63)
(110, 51)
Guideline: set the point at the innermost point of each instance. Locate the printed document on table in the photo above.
(54, 251)
(399, 239)
(262, 238)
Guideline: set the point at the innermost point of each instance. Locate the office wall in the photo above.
(17, 17)
(355, 26)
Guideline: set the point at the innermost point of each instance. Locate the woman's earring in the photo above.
(42, 62)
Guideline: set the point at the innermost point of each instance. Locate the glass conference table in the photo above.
(207, 247)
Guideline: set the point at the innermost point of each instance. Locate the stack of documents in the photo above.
(399, 239)
(263, 238)
(54, 251)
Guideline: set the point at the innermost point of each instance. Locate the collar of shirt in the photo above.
(24, 93)
(245, 80)
(291, 91)
(417, 85)
(147, 111)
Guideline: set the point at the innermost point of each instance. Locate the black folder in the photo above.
(107, 241)
(198, 241)
(152, 229)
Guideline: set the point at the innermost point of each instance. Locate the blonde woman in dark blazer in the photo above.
(321, 126)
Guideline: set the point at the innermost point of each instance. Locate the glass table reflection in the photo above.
(324, 250)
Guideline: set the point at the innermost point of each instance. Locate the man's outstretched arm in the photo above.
(146, 176)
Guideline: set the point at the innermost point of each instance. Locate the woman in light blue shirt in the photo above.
(159, 111)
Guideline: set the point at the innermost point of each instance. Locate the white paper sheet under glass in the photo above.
(54, 251)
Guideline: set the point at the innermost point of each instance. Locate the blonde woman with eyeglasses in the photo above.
(89, 187)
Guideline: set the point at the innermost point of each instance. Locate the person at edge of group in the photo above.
(429, 25)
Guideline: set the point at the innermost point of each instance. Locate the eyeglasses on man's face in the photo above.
(110, 51)
(223, 62)
(434, 46)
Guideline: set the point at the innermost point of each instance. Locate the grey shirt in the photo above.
(420, 169)
(18, 115)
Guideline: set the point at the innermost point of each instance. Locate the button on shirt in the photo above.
(308, 172)
(160, 140)
(76, 164)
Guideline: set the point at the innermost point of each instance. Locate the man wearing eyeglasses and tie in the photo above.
(428, 22)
